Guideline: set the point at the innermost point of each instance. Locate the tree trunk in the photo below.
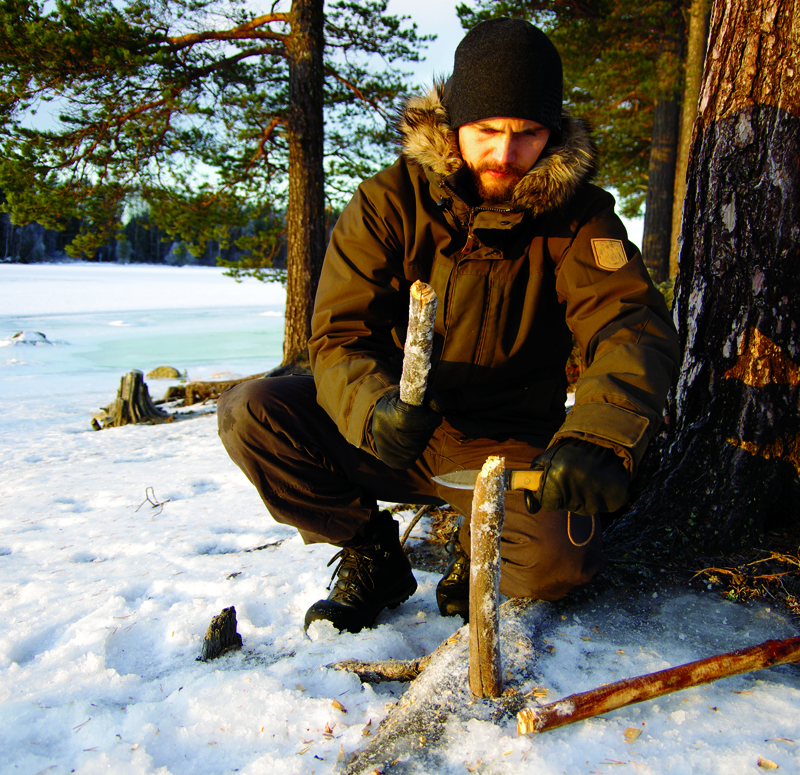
(663, 153)
(693, 75)
(731, 456)
(305, 212)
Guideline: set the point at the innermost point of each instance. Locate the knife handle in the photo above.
(524, 480)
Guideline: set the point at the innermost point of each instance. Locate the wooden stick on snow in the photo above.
(488, 513)
(577, 707)
(419, 343)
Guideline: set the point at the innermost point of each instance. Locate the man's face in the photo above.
(499, 151)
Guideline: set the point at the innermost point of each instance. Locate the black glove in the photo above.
(580, 477)
(402, 431)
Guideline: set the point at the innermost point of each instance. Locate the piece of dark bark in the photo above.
(132, 405)
(488, 513)
(221, 636)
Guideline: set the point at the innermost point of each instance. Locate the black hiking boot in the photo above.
(372, 575)
(452, 591)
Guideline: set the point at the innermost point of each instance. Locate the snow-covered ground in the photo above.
(105, 598)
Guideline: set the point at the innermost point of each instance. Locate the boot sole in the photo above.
(394, 602)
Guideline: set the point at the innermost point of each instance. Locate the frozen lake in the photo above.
(104, 320)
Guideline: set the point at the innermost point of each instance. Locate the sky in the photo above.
(432, 17)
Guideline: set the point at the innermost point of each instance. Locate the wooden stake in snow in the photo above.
(577, 707)
(488, 514)
(419, 343)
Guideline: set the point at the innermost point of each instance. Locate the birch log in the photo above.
(488, 513)
(577, 707)
(419, 343)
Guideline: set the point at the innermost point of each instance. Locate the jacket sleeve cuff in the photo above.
(608, 425)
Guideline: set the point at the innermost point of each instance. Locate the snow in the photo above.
(105, 597)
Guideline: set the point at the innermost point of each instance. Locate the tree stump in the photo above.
(221, 635)
(132, 405)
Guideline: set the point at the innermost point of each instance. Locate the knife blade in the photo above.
(513, 479)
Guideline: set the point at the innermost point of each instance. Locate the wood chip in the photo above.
(631, 734)
(338, 705)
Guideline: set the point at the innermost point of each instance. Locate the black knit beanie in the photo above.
(509, 68)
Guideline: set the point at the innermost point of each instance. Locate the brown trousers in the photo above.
(308, 476)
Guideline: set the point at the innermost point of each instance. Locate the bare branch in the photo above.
(371, 102)
(250, 30)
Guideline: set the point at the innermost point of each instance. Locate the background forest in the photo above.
(115, 173)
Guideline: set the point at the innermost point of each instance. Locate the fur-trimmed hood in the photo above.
(428, 140)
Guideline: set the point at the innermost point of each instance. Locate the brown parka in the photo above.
(513, 281)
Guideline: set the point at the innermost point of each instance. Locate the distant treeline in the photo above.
(138, 242)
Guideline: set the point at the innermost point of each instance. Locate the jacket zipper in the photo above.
(465, 251)
(473, 211)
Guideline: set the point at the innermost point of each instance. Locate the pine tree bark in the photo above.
(305, 211)
(663, 153)
(730, 460)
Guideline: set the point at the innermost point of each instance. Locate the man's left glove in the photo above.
(402, 431)
(580, 477)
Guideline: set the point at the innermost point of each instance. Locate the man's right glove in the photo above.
(401, 431)
(580, 477)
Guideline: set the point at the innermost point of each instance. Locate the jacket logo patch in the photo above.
(609, 253)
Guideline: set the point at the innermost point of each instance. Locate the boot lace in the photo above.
(354, 561)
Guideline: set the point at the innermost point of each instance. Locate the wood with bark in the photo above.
(200, 391)
(132, 405)
(728, 470)
(585, 705)
(384, 670)
(488, 515)
(419, 343)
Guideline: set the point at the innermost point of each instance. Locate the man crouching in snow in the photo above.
(491, 204)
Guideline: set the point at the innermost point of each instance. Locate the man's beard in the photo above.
(495, 191)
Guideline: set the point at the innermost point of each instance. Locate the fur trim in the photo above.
(428, 140)
(426, 136)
